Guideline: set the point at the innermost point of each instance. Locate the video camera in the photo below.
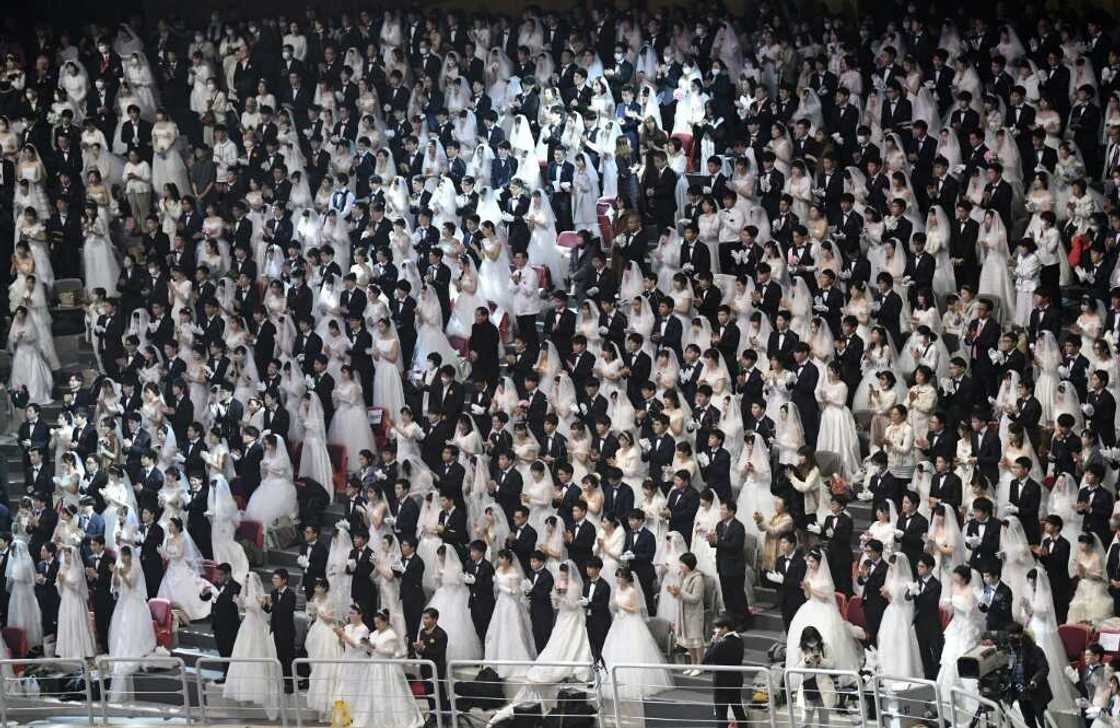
(989, 663)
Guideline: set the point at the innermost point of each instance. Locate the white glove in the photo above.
(1063, 372)
(351, 563)
(469, 578)
(526, 585)
(506, 217)
(1012, 509)
(813, 528)
(302, 561)
(645, 444)
(390, 521)
(627, 556)
(1071, 674)
(583, 409)
(584, 601)
(972, 541)
(704, 459)
(898, 533)
(865, 495)
(593, 291)
(776, 577)
(477, 409)
(1087, 410)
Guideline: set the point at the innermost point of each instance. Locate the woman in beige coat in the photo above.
(690, 620)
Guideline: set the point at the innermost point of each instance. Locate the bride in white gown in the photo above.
(23, 607)
(182, 584)
(963, 632)
(510, 635)
(131, 634)
(451, 598)
(838, 432)
(903, 659)
(820, 611)
(1038, 606)
(254, 682)
(224, 516)
(391, 704)
(276, 495)
(29, 366)
(568, 642)
(74, 640)
(630, 641)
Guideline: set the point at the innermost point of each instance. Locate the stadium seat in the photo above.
(210, 571)
(459, 344)
(568, 239)
(382, 428)
(854, 613)
(1113, 654)
(1075, 638)
(946, 617)
(842, 602)
(16, 640)
(544, 277)
(161, 621)
(252, 531)
(338, 465)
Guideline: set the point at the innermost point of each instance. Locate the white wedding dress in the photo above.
(451, 599)
(510, 635)
(276, 495)
(224, 518)
(74, 639)
(896, 630)
(961, 635)
(837, 433)
(390, 703)
(820, 611)
(322, 644)
(131, 634)
(568, 642)
(314, 459)
(350, 426)
(388, 392)
(23, 607)
(630, 641)
(254, 682)
(182, 585)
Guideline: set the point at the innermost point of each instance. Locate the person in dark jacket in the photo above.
(224, 615)
(726, 648)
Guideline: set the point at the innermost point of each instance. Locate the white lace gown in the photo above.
(254, 682)
(961, 635)
(131, 634)
(181, 585)
(314, 459)
(322, 644)
(29, 367)
(99, 260)
(275, 497)
(388, 392)
(451, 599)
(390, 703)
(74, 638)
(23, 608)
(838, 432)
(510, 635)
(629, 641)
(896, 631)
(350, 426)
(352, 687)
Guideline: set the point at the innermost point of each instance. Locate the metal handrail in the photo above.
(791, 696)
(200, 682)
(155, 660)
(454, 665)
(674, 667)
(440, 707)
(80, 665)
(881, 684)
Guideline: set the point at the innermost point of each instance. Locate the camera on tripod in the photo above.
(989, 663)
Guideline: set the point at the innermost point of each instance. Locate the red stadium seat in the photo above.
(544, 277)
(505, 328)
(946, 617)
(16, 640)
(842, 602)
(210, 571)
(295, 449)
(161, 621)
(1075, 638)
(459, 344)
(252, 531)
(568, 239)
(854, 613)
(338, 464)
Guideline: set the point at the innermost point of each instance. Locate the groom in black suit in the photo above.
(541, 614)
(927, 616)
(224, 615)
(872, 577)
(596, 604)
(995, 601)
(281, 604)
(479, 575)
(789, 572)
